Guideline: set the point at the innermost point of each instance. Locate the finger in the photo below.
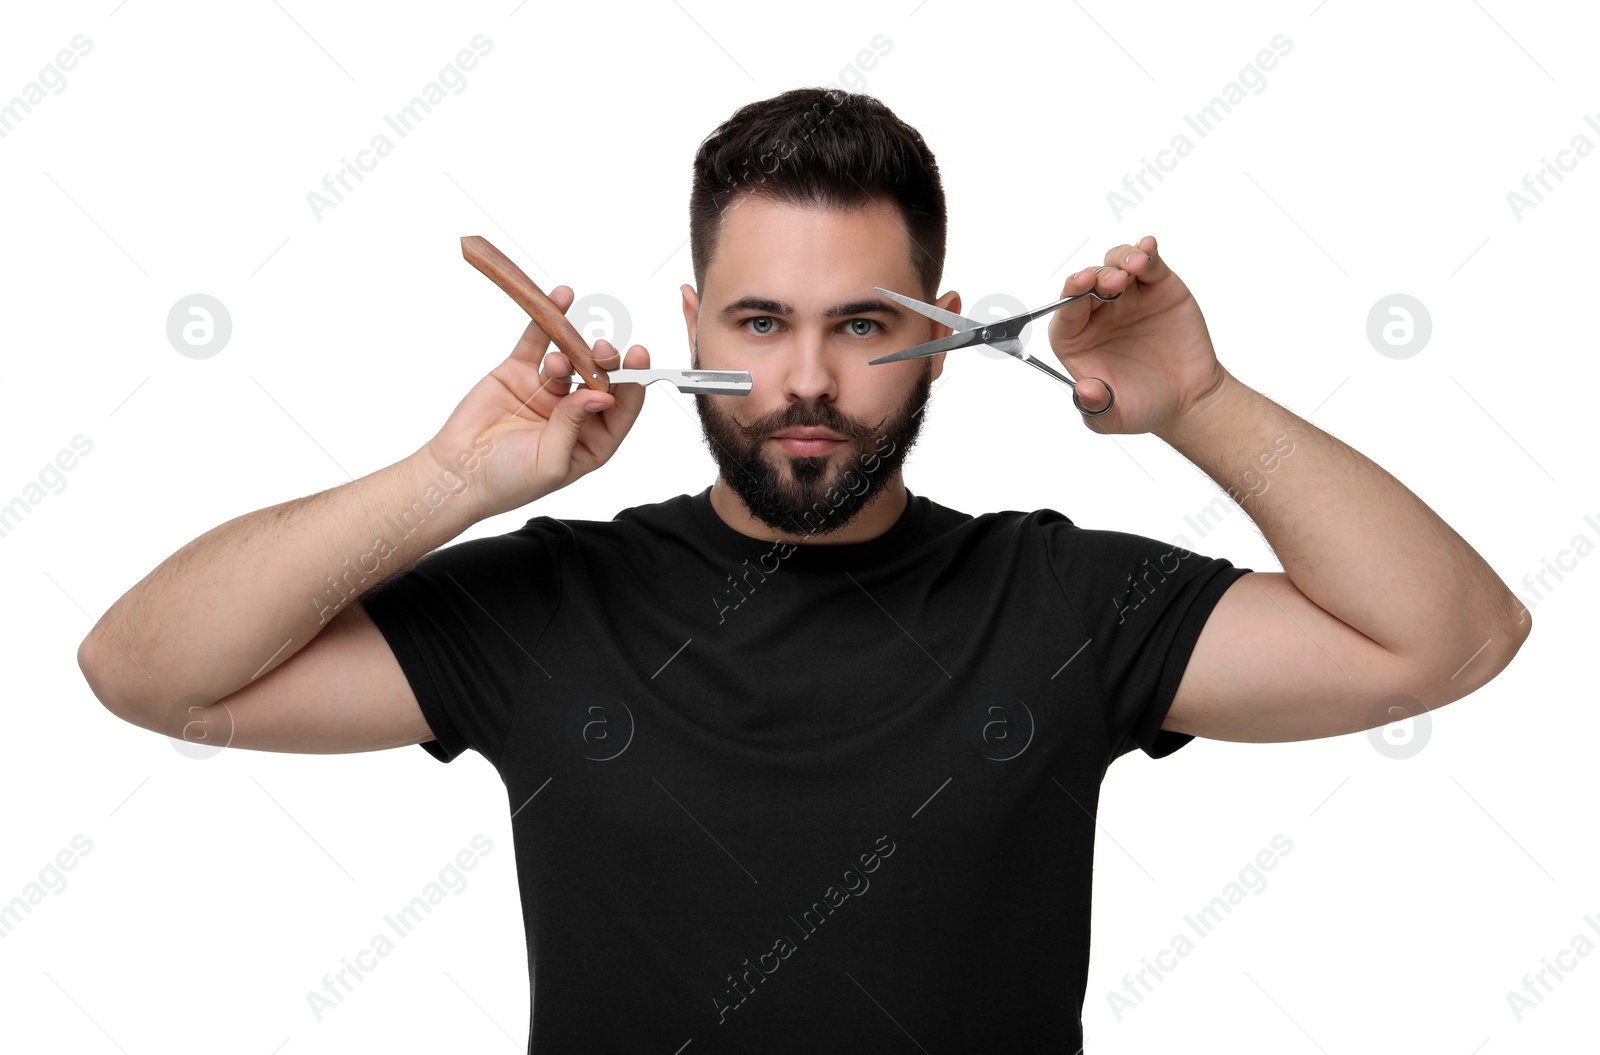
(608, 359)
(630, 398)
(1119, 278)
(554, 384)
(556, 368)
(1110, 281)
(606, 355)
(1118, 255)
(584, 409)
(1079, 282)
(569, 422)
(1069, 319)
(604, 435)
(1141, 260)
(555, 376)
(531, 348)
(1093, 393)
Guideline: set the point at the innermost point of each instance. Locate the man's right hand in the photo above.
(543, 437)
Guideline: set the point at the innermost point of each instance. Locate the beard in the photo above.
(791, 493)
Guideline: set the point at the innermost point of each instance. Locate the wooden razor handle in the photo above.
(509, 277)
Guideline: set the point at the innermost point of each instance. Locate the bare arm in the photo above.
(248, 637)
(1381, 607)
(246, 596)
(1380, 601)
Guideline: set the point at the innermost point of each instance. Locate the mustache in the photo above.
(802, 415)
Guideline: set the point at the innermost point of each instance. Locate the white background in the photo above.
(1377, 159)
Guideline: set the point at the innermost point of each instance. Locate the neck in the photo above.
(874, 519)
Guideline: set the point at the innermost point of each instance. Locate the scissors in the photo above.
(1004, 334)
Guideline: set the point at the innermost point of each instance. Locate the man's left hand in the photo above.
(1150, 344)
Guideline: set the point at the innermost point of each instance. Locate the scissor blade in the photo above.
(917, 351)
(932, 311)
(704, 382)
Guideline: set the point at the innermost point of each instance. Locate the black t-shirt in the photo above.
(797, 798)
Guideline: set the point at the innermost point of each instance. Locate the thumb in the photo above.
(567, 422)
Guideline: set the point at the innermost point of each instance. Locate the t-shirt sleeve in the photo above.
(1142, 604)
(464, 623)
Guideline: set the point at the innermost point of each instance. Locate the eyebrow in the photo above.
(867, 306)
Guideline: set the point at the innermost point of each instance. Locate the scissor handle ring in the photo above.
(1096, 295)
(1111, 399)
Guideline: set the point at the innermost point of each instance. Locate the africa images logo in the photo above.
(599, 726)
(1000, 727)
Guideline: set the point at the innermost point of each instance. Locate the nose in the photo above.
(810, 375)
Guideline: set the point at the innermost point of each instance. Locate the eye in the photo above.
(763, 324)
(854, 323)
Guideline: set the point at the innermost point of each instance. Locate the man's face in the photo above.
(788, 296)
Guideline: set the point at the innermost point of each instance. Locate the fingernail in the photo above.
(594, 407)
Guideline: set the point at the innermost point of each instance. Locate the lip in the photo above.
(807, 448)
(808, 434)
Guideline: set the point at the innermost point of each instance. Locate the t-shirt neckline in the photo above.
(822, 556)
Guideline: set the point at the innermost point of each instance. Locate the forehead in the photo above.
(810, 247)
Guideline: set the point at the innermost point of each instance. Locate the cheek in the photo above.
(887, 386)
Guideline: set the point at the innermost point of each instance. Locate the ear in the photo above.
(949, 302)
(691, 319)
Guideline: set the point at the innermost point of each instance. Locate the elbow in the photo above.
(89, 667)
(1513, 636)
(112, 696)
(1480, 659)
(1520, 629)
(1512, 630)
(1507, 638)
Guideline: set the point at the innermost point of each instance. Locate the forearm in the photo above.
(250, 593)
(1352, 538)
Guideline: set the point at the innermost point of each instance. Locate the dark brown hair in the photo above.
(826, 147)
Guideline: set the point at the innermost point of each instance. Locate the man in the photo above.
(807, 761)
